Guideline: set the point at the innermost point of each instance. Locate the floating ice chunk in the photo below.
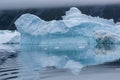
(75, 25)
(11, 37)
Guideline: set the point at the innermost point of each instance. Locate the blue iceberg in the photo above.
(75, 28)
(76, 41)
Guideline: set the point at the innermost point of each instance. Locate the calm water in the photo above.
(43, 62)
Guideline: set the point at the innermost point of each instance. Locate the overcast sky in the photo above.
(15, 4)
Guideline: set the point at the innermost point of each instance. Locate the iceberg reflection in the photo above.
(37, 56)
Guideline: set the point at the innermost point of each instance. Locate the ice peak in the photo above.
(74, 9)
(72, 12)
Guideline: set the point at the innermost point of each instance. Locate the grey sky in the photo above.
(15, 4)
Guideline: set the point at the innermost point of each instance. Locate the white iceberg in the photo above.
(75, 26)
(9, 37)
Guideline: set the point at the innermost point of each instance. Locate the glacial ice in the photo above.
(76, 41)
(75, 28)
(9, 37)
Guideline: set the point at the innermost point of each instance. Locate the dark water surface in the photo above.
(40, 62)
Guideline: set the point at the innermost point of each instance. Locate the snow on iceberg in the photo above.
(9, 37)
(75, 26)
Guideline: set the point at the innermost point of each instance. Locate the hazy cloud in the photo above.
(15, 4)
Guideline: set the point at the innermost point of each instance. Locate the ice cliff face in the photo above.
(75, 26)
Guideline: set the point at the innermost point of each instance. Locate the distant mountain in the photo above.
(8, 17)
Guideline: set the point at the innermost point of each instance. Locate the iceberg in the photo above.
(9, 37)
(74, 28)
